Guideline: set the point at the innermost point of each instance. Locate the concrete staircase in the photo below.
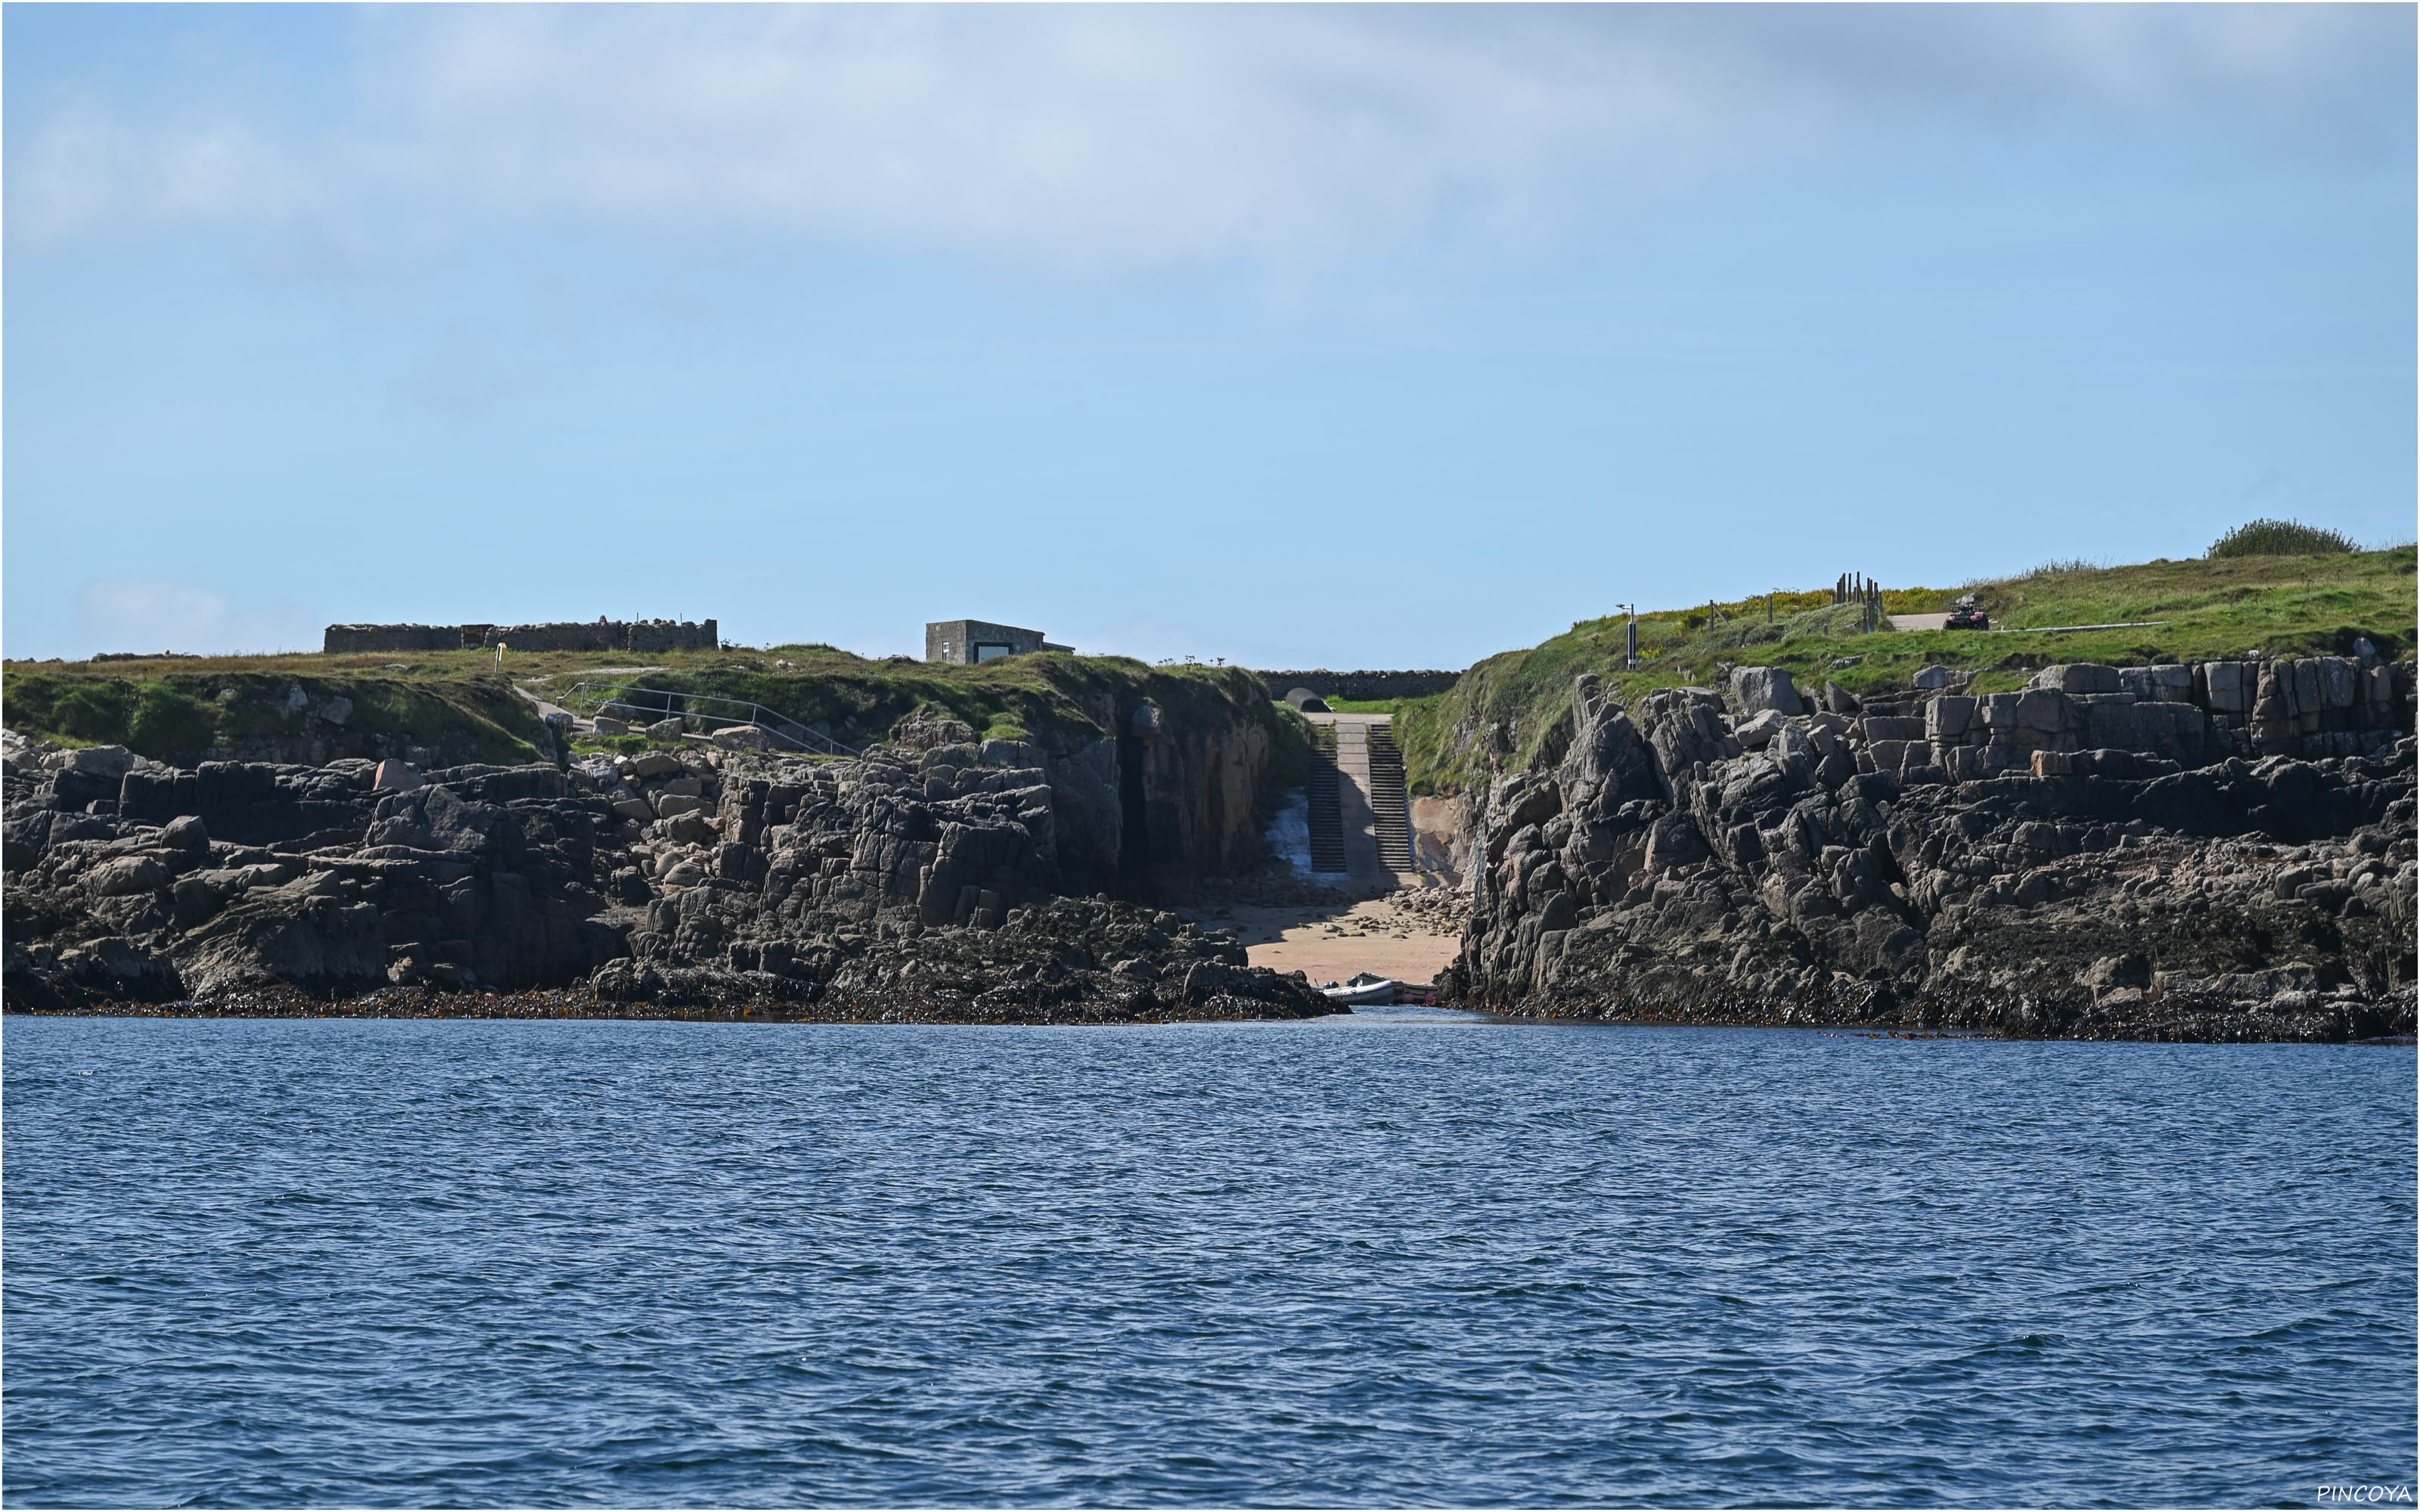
(1360, 818)
(1389, 803)
(1353, 797)
(1326, 808)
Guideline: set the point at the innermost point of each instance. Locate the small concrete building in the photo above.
(968, 642)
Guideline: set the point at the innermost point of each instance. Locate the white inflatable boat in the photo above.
(1364, 988)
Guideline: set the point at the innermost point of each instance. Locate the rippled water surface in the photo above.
(1403, 1258)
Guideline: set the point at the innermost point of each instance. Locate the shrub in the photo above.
(165, 719)
(1291, 739)
(2059, 567)
(2279, 538)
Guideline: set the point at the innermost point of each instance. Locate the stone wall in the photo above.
(1359, 686)
(674, 635)
(358, 637)
(598, 635)
(604, 635)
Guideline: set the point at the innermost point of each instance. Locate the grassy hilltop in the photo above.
(1497, 717)
(1505, 708)
(175, 708)
(857, 700)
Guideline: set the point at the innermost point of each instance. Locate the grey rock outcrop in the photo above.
(2093, 863)
(916, 883)
(1759, 689)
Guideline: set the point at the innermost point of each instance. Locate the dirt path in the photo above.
(544, 708)
(553, 680)
(1330, 943)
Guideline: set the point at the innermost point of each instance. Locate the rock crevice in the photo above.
(928, 879)
(2098, 855)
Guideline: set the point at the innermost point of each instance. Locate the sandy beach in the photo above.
(1330, 943)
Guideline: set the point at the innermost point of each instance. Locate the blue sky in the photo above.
(1295, 336)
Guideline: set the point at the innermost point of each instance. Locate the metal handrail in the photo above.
(773, 721)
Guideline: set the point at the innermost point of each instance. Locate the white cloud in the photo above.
(89, 168)
(1145, 136)
(128, 614)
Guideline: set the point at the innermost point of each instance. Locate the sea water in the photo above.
(1399, 1258)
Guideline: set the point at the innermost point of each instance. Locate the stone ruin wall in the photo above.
(1360, 686)
(355, 637)
(674, 635)
(645, 636)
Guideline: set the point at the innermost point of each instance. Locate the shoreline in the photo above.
(2185, 1021)
(2077, 1015)
(575, 1004)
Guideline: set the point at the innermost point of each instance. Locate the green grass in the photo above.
(172, 709)
(1499, 714)
(1363, 705)
(1290, 748)
(1510, 706)
(1051, 695)
(175, 709)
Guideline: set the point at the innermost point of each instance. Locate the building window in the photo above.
(991, 650)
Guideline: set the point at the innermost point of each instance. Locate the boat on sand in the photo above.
(1364, 987)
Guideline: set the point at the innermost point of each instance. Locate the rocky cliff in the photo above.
(1146, 801)
(1157, 772)
(930, 879)
(2222, 851)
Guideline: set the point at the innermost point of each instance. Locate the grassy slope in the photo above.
(2270, 606)
(169, 708)
(1364, 705)
(173, 709)
(857, 700)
